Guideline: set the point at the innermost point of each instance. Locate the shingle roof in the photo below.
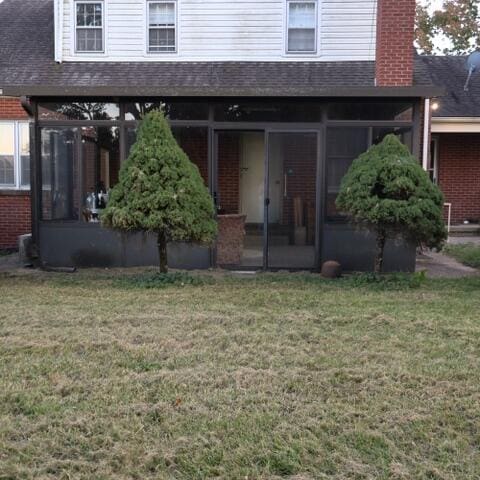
(27, 67)
(451, 73)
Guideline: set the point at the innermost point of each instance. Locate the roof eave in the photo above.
(423, 91)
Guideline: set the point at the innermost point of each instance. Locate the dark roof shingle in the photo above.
(451, 73)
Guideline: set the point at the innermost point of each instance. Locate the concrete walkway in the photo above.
(438, 265)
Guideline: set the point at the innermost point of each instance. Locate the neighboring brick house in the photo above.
(15, 218)
(455, 137)
(272, 100)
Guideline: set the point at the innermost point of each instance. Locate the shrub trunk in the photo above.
(381, 240)
(162, 252)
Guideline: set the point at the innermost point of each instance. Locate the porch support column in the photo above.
(426, 135)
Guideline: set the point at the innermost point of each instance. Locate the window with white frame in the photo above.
(301, 26)
(162, 26)
(433, 160)
(14, 155)
(89, 23)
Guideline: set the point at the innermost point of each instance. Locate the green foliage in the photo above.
(387, 190)
(458, 21)
(468, 253)
(160, 190)
(161, 280)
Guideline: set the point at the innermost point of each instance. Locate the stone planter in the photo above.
(231, 235)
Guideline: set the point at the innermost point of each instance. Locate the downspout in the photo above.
(58, 20)
(426, 135)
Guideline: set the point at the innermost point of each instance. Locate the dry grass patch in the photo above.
(276, 376)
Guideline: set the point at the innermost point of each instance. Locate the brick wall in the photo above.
(459, 174)
(11, 109)
(14, 217)
(229, 172)
(395, 35)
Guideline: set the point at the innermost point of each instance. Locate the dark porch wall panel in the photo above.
(355, 250)
(92, 246)
(459, 174)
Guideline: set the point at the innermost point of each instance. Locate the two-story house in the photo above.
(271, 99)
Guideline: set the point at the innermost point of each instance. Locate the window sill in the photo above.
(14, 191)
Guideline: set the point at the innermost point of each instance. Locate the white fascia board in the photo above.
(455, 125)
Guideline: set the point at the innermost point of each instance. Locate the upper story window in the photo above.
(89, 26)
(14, 155)
(301, 26)
(162, 26)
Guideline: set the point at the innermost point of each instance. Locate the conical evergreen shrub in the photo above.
(160, 190)
(386, 189)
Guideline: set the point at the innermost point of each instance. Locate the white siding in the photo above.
(210, 30)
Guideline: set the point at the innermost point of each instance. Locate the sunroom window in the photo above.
(301, 26)
(14, 155)
(162, 24)
(89, 26)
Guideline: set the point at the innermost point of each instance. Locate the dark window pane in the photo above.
(78, 111)
(301, 40)
(7, 171)
(162, 40)
(59, 174)
(172, 111)
(130, 139)
(268, 112)
(89, 40)
(399, 111)
(101, 165)
(344, 145)
(404, 134)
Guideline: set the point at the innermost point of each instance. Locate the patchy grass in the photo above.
(467, 253)
(276, 376)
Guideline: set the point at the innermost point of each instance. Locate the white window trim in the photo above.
(147, 23)
(17, 164)
(287, 29)
(103, 28)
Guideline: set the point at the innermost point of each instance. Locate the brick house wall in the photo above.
(459, 174)
(15, 216)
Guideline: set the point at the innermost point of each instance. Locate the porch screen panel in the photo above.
(59, 170)
(292, 214)
(192, 140)
(101, 165)
(344, 145)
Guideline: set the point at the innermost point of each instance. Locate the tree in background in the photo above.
(160, 190)
(387, 190)
(458, 21)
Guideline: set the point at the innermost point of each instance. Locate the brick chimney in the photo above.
(395, 36)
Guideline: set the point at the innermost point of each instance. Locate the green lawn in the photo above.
(466, 253)
(276, 376)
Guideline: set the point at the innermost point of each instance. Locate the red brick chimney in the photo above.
(395, 36)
